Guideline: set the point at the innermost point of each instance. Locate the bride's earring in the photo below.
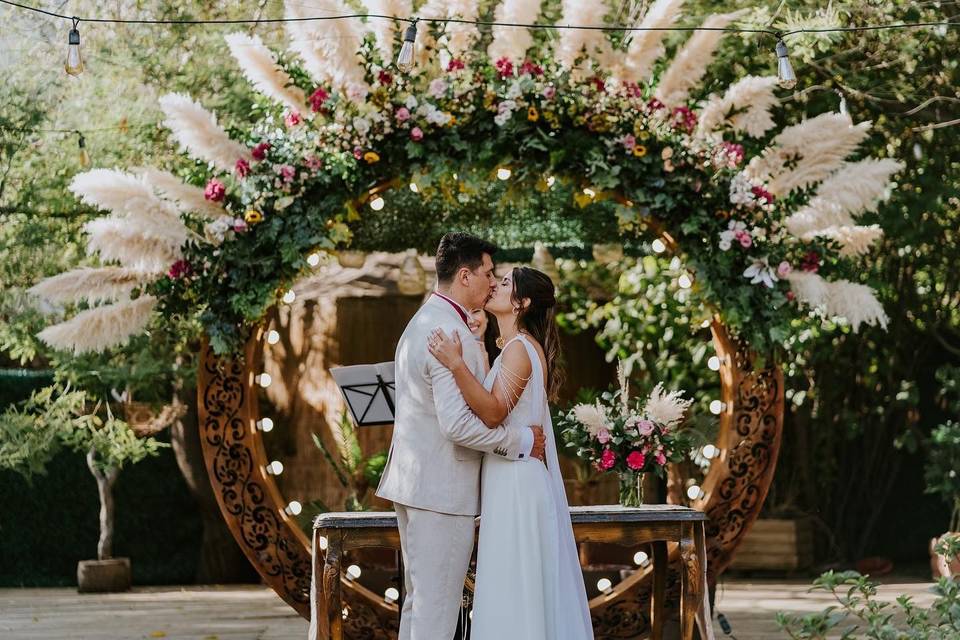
(499, 342)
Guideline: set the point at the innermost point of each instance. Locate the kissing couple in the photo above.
(471, 437)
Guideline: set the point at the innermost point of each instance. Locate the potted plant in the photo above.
(942, 474)
(56, 417)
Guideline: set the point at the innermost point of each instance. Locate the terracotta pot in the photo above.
(351, 259)
(942, 566)
(103, 576)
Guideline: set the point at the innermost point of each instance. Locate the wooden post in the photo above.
(661, 567)
(690, 572)
(333, 618)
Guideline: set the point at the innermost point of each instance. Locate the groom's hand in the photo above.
(539, 450)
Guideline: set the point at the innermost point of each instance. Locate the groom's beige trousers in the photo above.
(436, 554)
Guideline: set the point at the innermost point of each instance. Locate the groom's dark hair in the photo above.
(458, 250)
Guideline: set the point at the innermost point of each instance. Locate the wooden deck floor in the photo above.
(256, 613)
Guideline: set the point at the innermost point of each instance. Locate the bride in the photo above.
(529, 583)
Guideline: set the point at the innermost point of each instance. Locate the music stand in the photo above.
(369, 391)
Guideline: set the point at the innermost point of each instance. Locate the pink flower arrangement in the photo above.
(416, 134)
(455, 64)
(744, 238)
(654, 105)
(292, 119)
(636, 460)
(685, 117)
(259, 152)
(317, 98)
(357, 153)
(633, 90)
(314, 163)
(661, 457)
(645, 427)
(728, 154)
(215, 191)
(531, 69)
(402, 114)
(504, 68)
(437, 87)
(287, 172)
(607, 459)
(179, 269)
(242, 168)
(598, 84)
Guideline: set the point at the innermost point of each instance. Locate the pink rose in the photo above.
(549, 92)
(645, 427)
(654, 105)
(402, 114)
(504, 68)
(357, 153)
(242, 168)
(607, 459)
(603, 436)
(636, 460)
(314, 163)
(784, 269)
(293, 119)
(628, 141)
(437, 87)
(661, 458)
(416, 134)
(260, 151)
(215, 191)
(743, 237)
(317, 98)
(240, 225)
(287, 172)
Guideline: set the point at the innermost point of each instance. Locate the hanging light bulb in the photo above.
(604, 585)
(289, 297)
(717, 407)
(414, 187)
(275, 468)
(405, 61)
(695, 492)
(785, 75)
(265, 425)
(74, 64)
(273, 336)
(684, 281)
(641, 558)
(313, 259)
(714, 363)
(264, 380)
(353, 572)
(710, 451)
(504, 173)
(84, 156)
(377, 203)
(294, 508)
(391, 595)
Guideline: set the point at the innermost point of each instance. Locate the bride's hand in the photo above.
(447, 350)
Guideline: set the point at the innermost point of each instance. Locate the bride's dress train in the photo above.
(529, 583)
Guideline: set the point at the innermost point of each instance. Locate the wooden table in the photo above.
(657, 525)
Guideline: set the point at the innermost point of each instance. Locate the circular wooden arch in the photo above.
(735, 488)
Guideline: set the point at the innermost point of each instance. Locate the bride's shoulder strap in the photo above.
(515, 371)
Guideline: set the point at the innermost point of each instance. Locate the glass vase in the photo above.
(631, 489)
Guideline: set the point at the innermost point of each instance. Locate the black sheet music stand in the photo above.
(367, 400)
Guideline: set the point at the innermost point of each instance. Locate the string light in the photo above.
(293, 508)
(289, 297)
(414, 187)
(353, 572)
(550, 181)
(313, 259)
(275, 468)
(74, 64)
(504, 173)
(391, 595)
(265, 425)
(658, 246)
(604, 585)
(710, 451)
(717, 407)
(84, 156)
(785, 75)
(273, 337)
(641, 558)
(405, 61)
(695, 492)
(684, 281)
(324, 543)
(264, 380)
(590, 193)
(714, 363)
(377, 203)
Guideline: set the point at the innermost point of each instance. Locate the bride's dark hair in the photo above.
(538, 319)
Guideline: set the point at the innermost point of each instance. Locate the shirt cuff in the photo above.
(526, 443)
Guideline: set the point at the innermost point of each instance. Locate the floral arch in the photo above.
(598, 138)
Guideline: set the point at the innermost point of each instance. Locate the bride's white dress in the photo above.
(529, 584)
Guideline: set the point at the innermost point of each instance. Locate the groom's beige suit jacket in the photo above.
(438, 442)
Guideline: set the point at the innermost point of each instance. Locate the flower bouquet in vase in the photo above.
(629, 438)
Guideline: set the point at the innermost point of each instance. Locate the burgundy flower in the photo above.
(598, 84)
(242, 168)
(179, 269)
(811, 262)
(791, 296)
(531, 69)
(685, 117)
(455, 64)
(762, 194)
(504, 67)
(259, 152)
(317, 98)
(633, 90)
(654, 105)
(733, 153)
(385, 78)
(215, 191)
(357, 153)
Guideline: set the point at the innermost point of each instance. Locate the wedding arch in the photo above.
(598, 138)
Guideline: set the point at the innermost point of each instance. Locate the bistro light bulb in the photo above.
(294, 508)
(74, 64)
(377, 203)
(353, 572)
(640, 558)
(313, 259)
(716, 407)
(275, 468)
(289, 297)
(264, 380)
(273, 336)
(695, 492)
(504, 173)
(414, 187)
(785, 75)
(710, 451)
(265, 425)
(658, 246)
(714, 363)
(391, 595)
(405, 58)
(604, 585)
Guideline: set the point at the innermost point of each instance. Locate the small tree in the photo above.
(56, 417)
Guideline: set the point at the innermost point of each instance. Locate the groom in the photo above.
(432, 473)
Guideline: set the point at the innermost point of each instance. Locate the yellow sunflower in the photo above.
(639, 151)
(252, 216)
(532, 114)
(371, 157)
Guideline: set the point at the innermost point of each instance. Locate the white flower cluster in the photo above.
(741, 191)
(504, 111)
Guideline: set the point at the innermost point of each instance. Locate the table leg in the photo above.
(704, 615)
(331, 620)
(661, 567)
(691, 581)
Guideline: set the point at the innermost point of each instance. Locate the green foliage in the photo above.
(859, 614)
(354, 471)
